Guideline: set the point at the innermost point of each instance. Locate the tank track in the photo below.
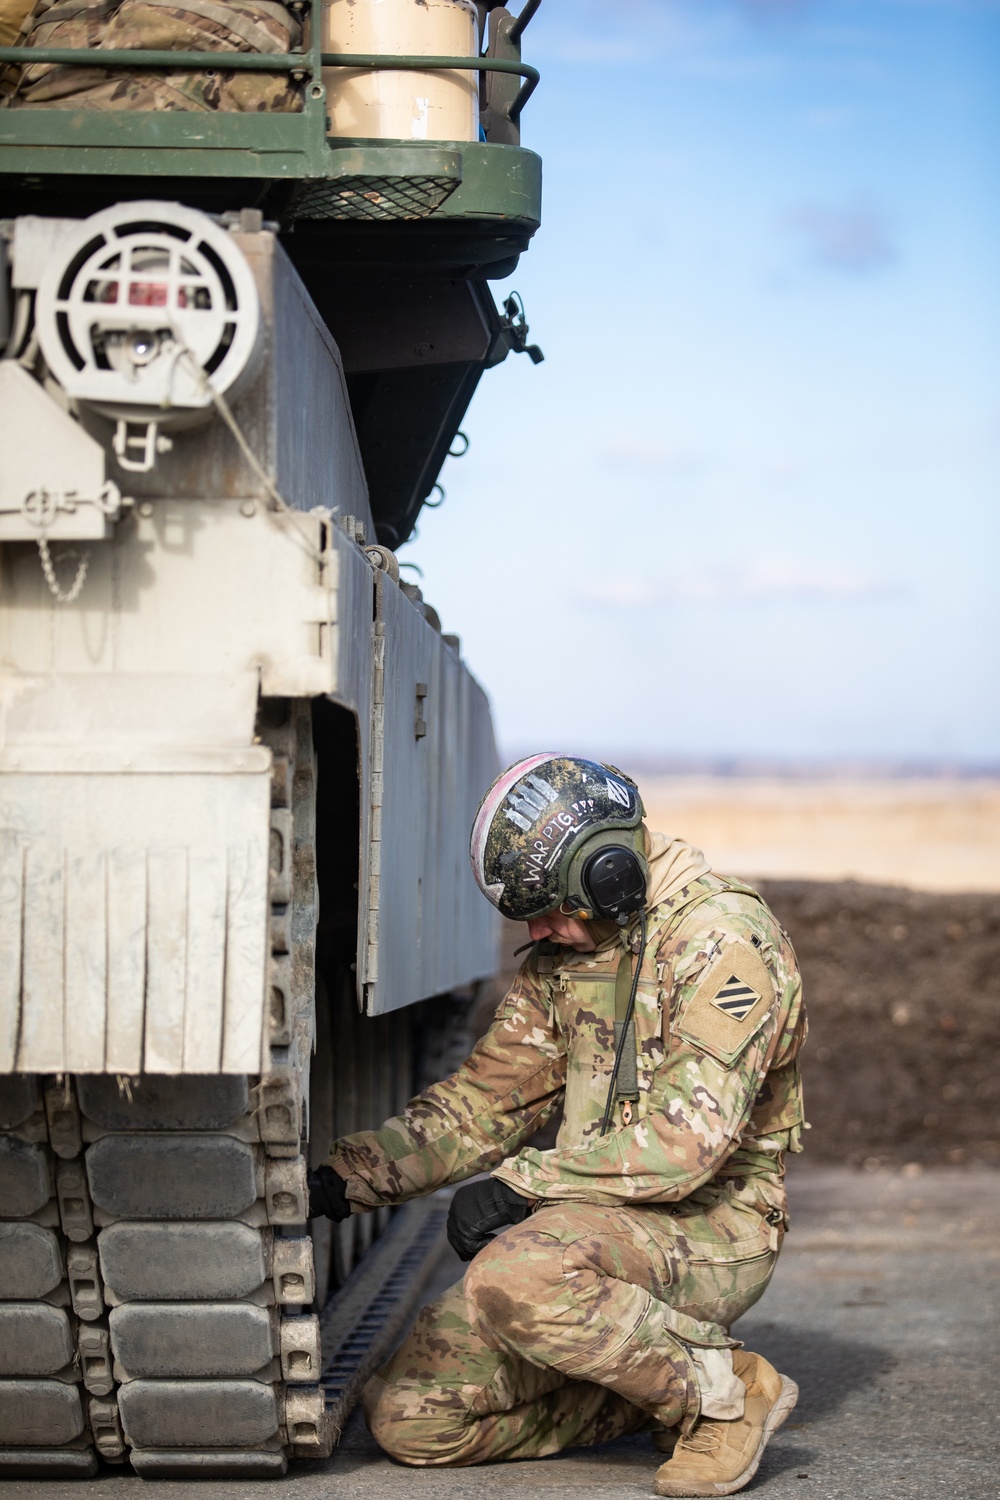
(157, 1287)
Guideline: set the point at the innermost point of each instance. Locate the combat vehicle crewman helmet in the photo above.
(558, 831)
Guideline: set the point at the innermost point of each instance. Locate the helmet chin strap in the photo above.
(626, 1031)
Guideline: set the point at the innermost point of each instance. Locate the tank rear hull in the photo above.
(239, 753)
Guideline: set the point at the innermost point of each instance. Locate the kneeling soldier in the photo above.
(660, 1008)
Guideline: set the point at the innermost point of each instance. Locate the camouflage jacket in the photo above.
(718, 1026)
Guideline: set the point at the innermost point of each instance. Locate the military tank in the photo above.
(244, 304)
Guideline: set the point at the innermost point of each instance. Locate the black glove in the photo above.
(327, 1195)
(478, 1210)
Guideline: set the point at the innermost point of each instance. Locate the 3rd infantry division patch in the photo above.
(732, 1002)
(735, 999)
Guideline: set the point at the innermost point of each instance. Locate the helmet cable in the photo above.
(626, 1031)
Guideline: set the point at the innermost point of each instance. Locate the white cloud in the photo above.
(831, 116)
(645, 453)
(622, 592)
(761, 581)
(785, 470)
(691, 33)
(776, 578)
(738, 39)
(854, 237)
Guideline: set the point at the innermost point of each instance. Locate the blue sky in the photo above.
(748, 505)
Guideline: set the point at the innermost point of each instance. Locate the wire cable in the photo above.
(620, 1050)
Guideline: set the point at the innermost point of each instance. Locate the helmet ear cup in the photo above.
(614, 882)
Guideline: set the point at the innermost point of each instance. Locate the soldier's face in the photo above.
(558, 928)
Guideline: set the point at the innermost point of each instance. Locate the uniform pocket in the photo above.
(728, 1261)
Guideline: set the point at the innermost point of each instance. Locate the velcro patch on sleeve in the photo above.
(733, 999)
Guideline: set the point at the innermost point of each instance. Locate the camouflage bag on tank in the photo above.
(13, 15)
(163, 25)
(15, 23)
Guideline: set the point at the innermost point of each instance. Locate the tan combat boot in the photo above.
(718, 1458)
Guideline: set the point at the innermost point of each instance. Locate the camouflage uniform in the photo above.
(609, 1307)
(184, 25)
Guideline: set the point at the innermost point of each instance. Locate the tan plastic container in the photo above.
(379, 104)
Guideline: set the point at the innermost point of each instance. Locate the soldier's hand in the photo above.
(327, 1194)
(478, 1210)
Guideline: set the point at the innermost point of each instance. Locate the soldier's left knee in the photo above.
(386, 1418)
(394, 1413)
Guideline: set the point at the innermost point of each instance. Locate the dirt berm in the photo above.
(903, 993)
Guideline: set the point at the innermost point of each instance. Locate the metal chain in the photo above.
(64, 596)
(68, 596)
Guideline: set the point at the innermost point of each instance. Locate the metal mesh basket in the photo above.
(372, 198)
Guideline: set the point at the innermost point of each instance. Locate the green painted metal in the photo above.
(492, 181)
(162, 143)
(416, 64)
(498, 182)
(275, 62)
(521, 20)
(138, 58)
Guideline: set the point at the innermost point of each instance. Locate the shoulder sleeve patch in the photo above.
(733, 999)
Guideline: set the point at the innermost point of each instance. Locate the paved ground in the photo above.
(883, 1308)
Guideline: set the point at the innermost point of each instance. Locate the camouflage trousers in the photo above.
(579, 1325)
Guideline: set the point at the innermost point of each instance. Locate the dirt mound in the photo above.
(903, 993)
